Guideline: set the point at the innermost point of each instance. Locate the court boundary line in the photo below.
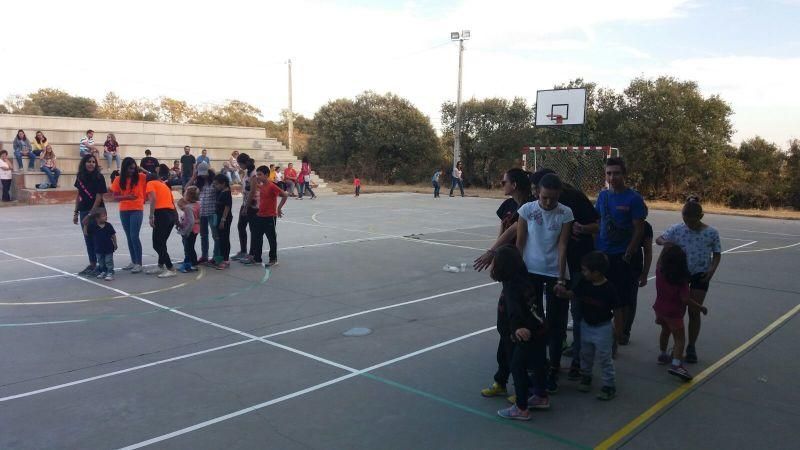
(299, 393)
(632, 428)
(247, 341)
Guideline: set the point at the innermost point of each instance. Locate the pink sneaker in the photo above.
(514, 413)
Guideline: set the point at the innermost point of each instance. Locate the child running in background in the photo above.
(672, 296)
(597, 298)
(189, 227)
(222, 222)
(527, 333)
(357, 185)
(105, 242)
(703, 251)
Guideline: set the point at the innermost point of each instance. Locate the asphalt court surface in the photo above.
(253, 358)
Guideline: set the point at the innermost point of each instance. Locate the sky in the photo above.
(748, 52)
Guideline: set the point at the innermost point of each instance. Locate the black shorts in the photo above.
(696, 282)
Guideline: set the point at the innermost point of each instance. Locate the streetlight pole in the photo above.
(460, 37)
(290, 116)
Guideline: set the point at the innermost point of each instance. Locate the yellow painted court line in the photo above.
(626, 430)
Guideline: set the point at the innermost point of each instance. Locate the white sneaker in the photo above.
(168, 274)
(154, 270)
(100, 275)
(129, 266)
(137, 268)
(109, 277)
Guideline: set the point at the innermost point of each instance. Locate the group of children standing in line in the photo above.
(206, 208)
(542, 254)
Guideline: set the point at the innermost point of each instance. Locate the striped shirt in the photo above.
(86, 142)
(208, 196)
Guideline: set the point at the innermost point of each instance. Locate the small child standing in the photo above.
(597, 298)
(527, 334)
(672, 296)
(357, 185)
(105, 242)
(189, 227)
(307, 185)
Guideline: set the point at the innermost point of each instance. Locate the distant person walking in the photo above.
(111, 150)
(305, 169)
(357, 185)
(187, 166)
(458, 179)
(91, 186)
(435, 182)
(22, 147)
(6, 174)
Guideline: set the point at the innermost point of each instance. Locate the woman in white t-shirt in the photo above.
(543, 232)
(6, 173)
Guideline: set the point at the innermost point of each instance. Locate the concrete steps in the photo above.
(166, 142)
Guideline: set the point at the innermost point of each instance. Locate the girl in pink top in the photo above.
(672, 296)
(189, 227)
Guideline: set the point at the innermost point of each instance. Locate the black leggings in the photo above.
(525, 356)
(505, 347)
(164, 220)
(242, 227)
(556, 315)
(6, 190)
(224, 236)
(264, 225)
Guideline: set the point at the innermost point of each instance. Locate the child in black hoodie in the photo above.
(527, 332)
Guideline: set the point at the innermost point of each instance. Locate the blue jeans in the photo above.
(131, 224)
(300, 188)
(52, 175)
(205, 223)
(435, 189)
(457, 182)
(597, 340)
(105, 263)
(110, 157)
(31, 157)
(87, 240)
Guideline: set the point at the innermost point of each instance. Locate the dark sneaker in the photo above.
(680, 372)
(536, 402)
(271, 263)
(664, 359)
(691, 354)
(87, 271)
(586, 384)
(239, 256)
(250, 262)
(574, 373)
(551, 386)
(607, 393)
(626, 339)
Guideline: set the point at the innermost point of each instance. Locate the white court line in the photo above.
(726, 251)
(768, 249)
(385, 235)
(759, 232)
(30, 279)
(222, 347)
(187, 315)
(295, 394)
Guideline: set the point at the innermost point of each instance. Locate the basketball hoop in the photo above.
(557, 118)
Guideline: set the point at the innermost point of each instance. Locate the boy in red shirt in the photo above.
(357, 184)
(266, 219)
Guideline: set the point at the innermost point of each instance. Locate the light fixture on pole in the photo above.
(460, 37)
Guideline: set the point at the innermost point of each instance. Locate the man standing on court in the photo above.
(622, 212)
(187, 166)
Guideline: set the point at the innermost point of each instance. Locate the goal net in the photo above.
(582, 167)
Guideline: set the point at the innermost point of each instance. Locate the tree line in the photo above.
(675, 140)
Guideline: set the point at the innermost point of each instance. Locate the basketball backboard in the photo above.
(556, 107)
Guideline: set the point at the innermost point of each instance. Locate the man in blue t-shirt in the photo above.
(622, 212)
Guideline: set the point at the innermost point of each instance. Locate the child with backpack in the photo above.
(672, 297)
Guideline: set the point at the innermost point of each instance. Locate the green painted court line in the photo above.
(494, 418)
(201, 302)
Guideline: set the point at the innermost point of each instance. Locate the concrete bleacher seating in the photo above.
(165, 141)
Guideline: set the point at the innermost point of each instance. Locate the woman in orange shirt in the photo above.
(128, 188)
(163, 217)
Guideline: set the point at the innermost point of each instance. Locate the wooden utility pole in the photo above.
(290, 116)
